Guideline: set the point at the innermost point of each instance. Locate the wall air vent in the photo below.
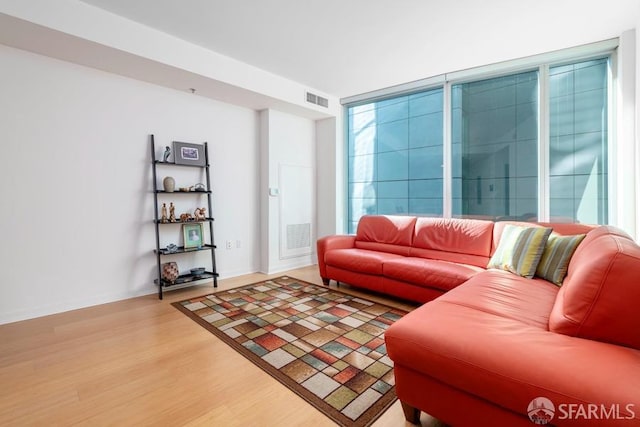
(318, 100)
(298, 236)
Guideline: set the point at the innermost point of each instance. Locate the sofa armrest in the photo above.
(328, 243)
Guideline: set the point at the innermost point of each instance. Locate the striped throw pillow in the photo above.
(520, 249)
(556, 256)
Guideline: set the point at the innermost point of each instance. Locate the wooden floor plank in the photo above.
(142, 362)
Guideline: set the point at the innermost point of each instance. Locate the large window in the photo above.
(501, 166)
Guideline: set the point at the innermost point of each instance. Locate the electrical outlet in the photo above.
(229, 246)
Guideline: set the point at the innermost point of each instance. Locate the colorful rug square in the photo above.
(325, 345)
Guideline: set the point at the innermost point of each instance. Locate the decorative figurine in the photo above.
(200, 214)
(167, 153)
(172, 213)
(163, 218)
(186, 217)
(198, 187)
(171, 248)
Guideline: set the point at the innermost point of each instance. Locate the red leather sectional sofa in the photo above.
(493, 348)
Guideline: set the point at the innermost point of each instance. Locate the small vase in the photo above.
(170, 271)
(169, 184)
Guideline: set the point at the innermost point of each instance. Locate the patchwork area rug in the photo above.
(326, 346)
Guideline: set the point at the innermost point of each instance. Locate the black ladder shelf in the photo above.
(187, 279)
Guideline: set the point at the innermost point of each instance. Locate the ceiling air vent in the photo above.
(318, 100)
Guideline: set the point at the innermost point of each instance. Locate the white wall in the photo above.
(623, 177)
(287, 141)
(75, 182)
(330, 176)
(326, 177)
(637, 125)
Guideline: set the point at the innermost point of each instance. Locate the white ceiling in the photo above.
(348, 47)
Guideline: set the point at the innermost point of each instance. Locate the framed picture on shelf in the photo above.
(185, 153)
(193, 235)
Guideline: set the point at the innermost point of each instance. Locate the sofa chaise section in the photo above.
(499, 341)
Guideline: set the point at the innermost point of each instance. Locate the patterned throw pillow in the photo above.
(556, 256)
(520, 249)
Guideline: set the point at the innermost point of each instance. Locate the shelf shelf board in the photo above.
(182, 250)
(183, 192)
(185, 280)
(160, 162)
(184, 222)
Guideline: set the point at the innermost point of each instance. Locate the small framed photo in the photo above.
(193, 235)
(185, 153)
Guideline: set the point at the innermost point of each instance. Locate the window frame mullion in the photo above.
(544, 200)
(447, 150)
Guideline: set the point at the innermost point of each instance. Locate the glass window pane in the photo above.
(494, 148)
(395, 157)
(578, 142)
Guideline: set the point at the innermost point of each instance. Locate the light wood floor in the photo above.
(140, 362)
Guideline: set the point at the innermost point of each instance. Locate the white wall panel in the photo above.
(288, 187)
(75, 185)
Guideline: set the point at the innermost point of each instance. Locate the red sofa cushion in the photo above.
(478, 261)
(463, 236)
(600, 296)
(359, 260)
(429, 272)
(504, 294)
(383, 247)
(389, 229)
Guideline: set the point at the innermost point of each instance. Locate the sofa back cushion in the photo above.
(463, 236)
(600, 296)
(568, 229)
(386, 233)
